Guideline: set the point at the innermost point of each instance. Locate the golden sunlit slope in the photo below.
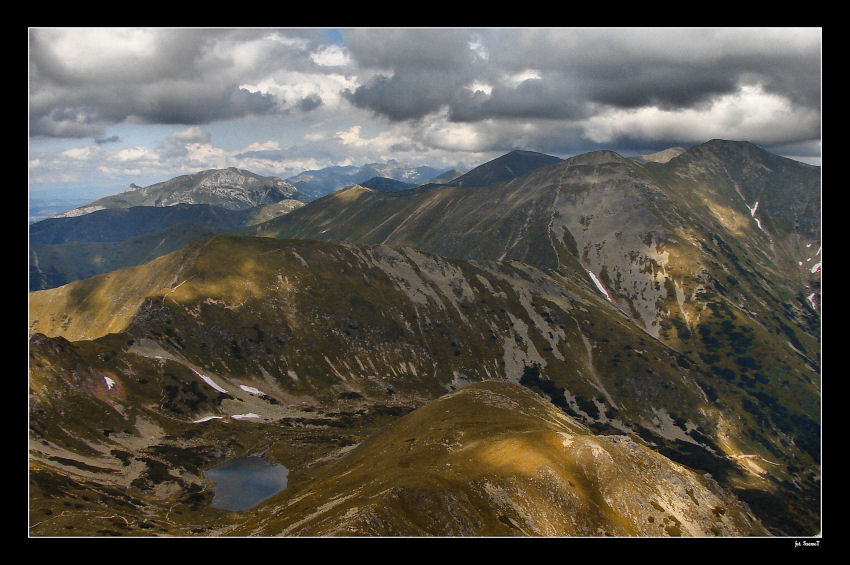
(494, 458)
(102, 304)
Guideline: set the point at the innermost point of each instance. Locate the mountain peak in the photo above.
(662, 156)
(742, 153)
(231, 188)
(385, 184)
(509, 166)
(600, 157)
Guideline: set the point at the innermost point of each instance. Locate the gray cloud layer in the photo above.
(160, 76)
(581, 68)
(551, 90)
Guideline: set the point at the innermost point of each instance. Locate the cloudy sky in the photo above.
(110, 106)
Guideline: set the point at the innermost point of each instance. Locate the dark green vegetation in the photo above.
(706, 356)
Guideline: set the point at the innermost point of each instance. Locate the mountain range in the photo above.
(594, 346)
(143, 223)
(231, 188)
(317, 183)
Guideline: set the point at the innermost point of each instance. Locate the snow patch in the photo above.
(252, 390)
(244, 416)
(109, 383)
(599, 286)
(209, 381)
(207, 419)
(810, 298)
(816, 268)
(753, 209)
(753, 213)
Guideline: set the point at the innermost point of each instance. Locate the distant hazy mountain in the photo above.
(387, 185)
(318, 183)
(231, 188)
(41, 207)
(446, 177)
(508, 166)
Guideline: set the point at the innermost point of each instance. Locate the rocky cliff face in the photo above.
(231, 188)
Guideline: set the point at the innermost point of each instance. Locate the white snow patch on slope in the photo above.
(243, 416)
(209, 381)
(810, 298)
(599, 286)
(109, 383)
(753, 209)
(753, 213)
(252, 390)
(816, 268)
(207, 419)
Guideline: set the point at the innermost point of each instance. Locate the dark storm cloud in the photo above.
(578, 70)
(532, 98)
(162, 103)
(678, 67)
(408, 94)
(440, 50)
(82, 81)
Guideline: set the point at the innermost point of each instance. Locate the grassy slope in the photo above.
(495, 459)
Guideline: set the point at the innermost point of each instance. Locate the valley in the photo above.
(596, 346)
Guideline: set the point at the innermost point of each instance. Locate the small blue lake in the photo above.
(241, 484)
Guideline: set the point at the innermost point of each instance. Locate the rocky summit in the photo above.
(230, 188)
(598, 346)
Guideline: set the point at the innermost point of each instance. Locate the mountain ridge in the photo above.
(230, 188)
(667, 310)
(508, 166)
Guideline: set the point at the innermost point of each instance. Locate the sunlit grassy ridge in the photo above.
(495, 459)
